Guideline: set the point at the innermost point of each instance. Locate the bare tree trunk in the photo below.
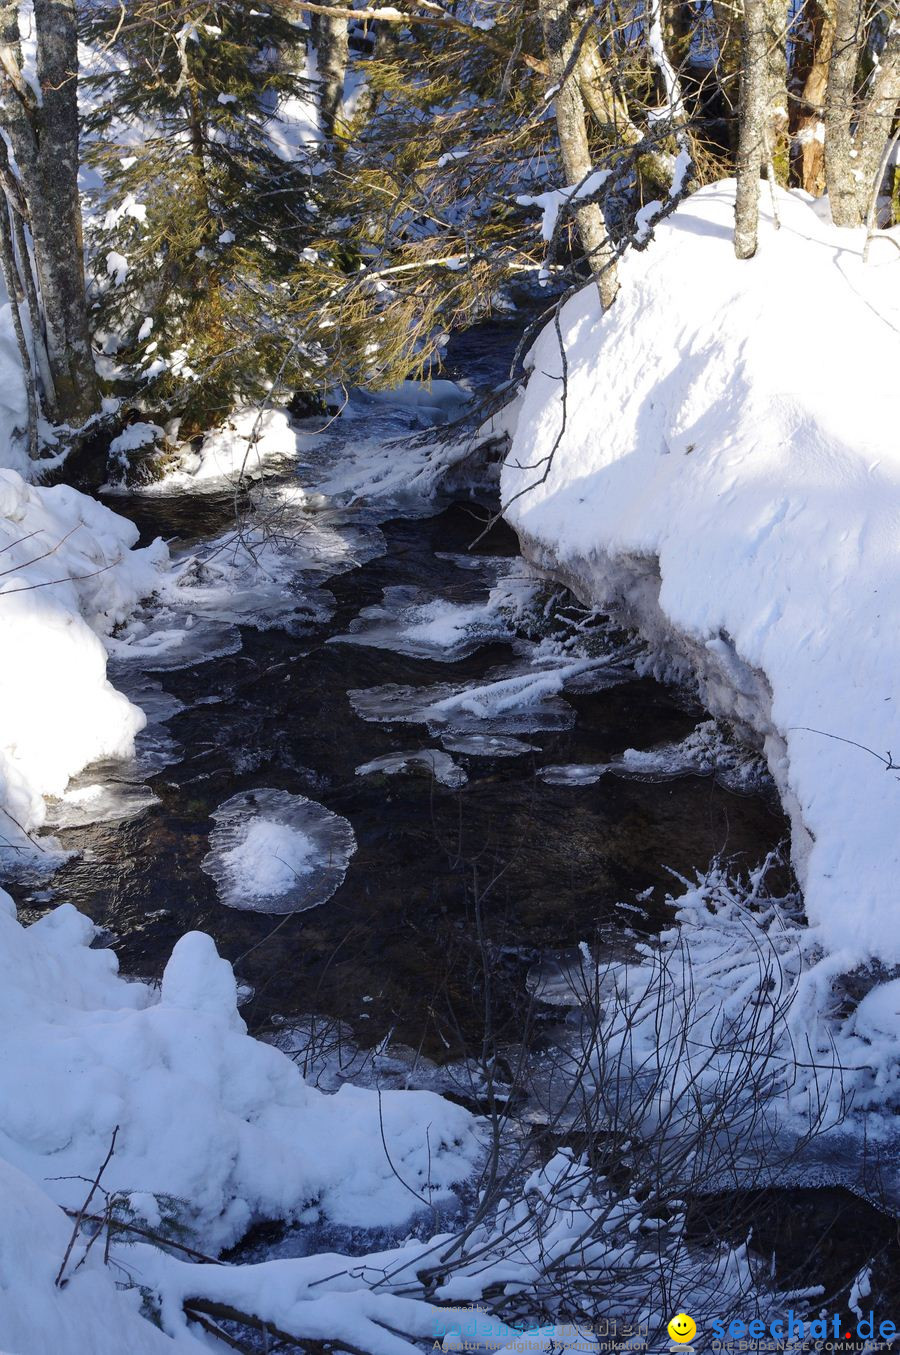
(809, 124)
(778, 153)
(17, 213)
(752, 130)
(44, 137)
(571, 122)
(610, 112)
(877, 118)
(839, 149)
(330, 35)
(16, 296)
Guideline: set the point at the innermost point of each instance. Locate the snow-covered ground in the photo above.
(725, 472)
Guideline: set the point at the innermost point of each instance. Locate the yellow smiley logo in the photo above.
(682, 1328)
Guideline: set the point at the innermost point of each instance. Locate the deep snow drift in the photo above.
(207, 1115)
(725, 473)
(68, 575)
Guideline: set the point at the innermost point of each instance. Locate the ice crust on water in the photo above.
(98, 802)
(164, 638)
(413, 622)
(273, 852)
(513, 699)
(310, 533)
(464, 709)
(409, 622)
(262, 574)
(563, 978)
(487, 745)
(429, 760)
(707, 751)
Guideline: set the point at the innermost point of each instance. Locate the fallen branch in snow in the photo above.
(79, 1218)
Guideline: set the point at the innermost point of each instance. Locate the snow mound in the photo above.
(429, 760)
(272, 852)
(68, 576)
(215, 1125)
(252, 441)
(731, 484)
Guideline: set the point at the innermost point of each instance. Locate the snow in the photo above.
(735, 490)
(68, 575)
(90, 1313)
(209, 1118)
(136, 435)
(249, 441)
(272, 852)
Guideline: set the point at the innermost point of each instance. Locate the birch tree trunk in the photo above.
(877, 117)
(839, 149)
(609, 110)
(43, 133)
(853, 155)
(752, 128)
(571, 123)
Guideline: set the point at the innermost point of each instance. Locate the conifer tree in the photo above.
(203, 215)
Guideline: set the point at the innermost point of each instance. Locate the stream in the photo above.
(543, 860)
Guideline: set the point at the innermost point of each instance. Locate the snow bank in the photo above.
(211, 1119)
(249, 441)
(68, 574)
(89, 1313)
(726, 474)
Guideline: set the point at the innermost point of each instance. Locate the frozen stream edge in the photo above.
(627, 586)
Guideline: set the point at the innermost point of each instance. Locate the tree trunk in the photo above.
(44, 138)
(778, 144)
(840, 165)
(877, 119)
(610, 112)
(752, 127)
(16, 296)
(330, 37)
(809, 125)
(559, 40)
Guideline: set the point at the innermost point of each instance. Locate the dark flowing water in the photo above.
(399, 930)
(395, 950)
